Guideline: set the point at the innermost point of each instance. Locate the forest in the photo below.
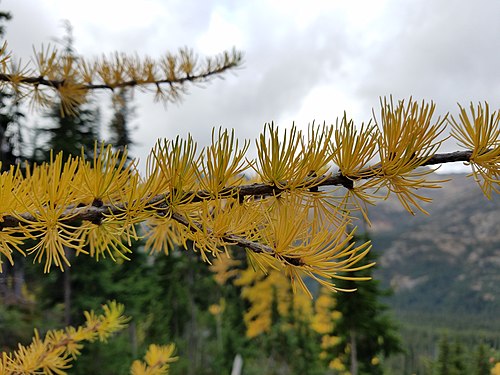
(211, 263)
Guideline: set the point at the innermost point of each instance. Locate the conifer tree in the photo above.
(71, 133)
(459, 361)
(367, 333)
(4, 16)
(228, 310)
(481, 365)
(119, 126)
(444, 361)
(11, 140)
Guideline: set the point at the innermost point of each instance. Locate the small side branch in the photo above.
(229, 238)
(56, 84)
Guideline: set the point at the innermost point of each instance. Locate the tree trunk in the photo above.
(132, 329)
(18, 272)
(237, 365)
(12, 280)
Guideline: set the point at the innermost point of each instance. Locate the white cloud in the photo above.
(222, 33)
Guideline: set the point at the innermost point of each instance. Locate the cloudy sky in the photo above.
(304, 60)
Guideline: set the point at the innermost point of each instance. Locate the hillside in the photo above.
(446, 265)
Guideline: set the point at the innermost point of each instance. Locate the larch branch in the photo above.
(97, 213)
(187, 78)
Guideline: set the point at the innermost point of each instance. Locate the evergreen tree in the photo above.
(444, 363)
(458, 359)
(184, 302)
(367, 332)
(71, 133)
(228, 311)
(11, 115)
(135, 284)
(481, 361)
(452, 360)
(11, 140)
(4, 16)
(119, 127)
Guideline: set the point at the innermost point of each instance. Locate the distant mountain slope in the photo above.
(447, 262)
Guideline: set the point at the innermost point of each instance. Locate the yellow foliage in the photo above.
(223, 268)
(328, 341)
(336, 364)
(217, 309)
(70, 78)
(480, 132)
(283, 220)
(263, 291)
(496, 369)
(156, 361)
(55, 352)
(288, 227)
(78, 204)
(281, 217)
(407, 138)
(323, 321)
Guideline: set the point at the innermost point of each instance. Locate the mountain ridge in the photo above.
(447, 261)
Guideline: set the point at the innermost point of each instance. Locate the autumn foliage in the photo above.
(292, 209)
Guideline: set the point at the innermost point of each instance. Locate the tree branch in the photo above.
(178, 81)
(96, 213)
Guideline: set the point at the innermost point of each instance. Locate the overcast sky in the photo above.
(304, 60)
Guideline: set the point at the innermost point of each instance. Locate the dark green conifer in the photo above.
(481, 361)
(367, 331)
(119, 126)
(444, 362)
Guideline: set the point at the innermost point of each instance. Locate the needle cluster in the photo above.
(54, 353)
